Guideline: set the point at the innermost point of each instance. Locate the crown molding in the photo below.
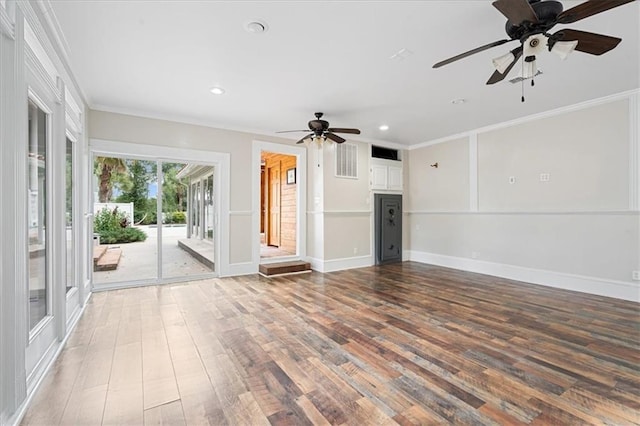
(546, 114)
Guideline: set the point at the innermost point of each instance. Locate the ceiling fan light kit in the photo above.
(529, 23)
(503, 62)
(564, 48)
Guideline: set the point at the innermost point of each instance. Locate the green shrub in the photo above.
(109, 220)
(175, 217)
(113, 228)
(150, 218)
(179, 217)
(123, 235)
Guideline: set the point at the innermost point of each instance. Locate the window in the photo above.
(69, 228)
(37, 215)
(347, 160)
(208, 207)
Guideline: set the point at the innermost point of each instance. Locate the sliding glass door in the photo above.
(150, 221)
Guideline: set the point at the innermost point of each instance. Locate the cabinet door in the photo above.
(378, 177)
(395, 178)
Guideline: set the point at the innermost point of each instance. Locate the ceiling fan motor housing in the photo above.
(547, 11)
(318, 125)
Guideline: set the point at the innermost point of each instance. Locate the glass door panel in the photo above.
(37, 216)
(125, 219)
(209, 211)
(69, 228)
(185, 253)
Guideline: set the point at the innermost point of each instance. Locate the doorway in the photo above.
(279, 210)
(278, 201)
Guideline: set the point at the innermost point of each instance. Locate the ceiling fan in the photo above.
(320, 130)
(529, 22)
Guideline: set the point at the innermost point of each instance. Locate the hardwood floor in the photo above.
(405, 343)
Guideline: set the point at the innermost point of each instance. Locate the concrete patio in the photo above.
(139, 260)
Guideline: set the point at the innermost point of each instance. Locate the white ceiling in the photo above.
(161, 58)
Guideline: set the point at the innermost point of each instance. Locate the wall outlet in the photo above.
(512, 180)
(635, 275)
(544, 177)
(417, 227)
(475, 254)
(355, 250)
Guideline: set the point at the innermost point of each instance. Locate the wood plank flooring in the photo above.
(400, 344)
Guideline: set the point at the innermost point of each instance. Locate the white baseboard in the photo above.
(602, 287)
(245, 268)
(332, 265)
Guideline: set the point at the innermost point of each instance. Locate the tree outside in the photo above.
(135, 181)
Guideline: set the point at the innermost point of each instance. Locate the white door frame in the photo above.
(222, 181)
(300, 152)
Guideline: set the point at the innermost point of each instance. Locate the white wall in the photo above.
(445, 188)
(347, 208)
(579, 230)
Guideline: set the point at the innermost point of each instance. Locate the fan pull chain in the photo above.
(522, 82)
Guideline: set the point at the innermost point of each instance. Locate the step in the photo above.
(109, 260)
(281, 268)
(98, 252)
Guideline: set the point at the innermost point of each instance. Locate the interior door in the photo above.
(274, 206)
(388, 229)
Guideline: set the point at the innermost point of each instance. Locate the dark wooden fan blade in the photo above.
(335, 138)
(341, 130)
(588, 8)
(594, 44)
(496, 76)
(470, 52)
(516, 11)
(292, 131)
(306, 137)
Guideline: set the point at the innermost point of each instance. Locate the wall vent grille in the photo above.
(347, 160)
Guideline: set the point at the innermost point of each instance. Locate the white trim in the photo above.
(52, 22)
(22, 410)
(526, 119)
(6, 24)
(300, 152)
(531, 213)
(634, 152)
(277, 259)
(473, 172)
(346, 212)
(222, 165)
(592, 285)
(333, 265)
(41, 367)
(242, 268)
(39, 62)
(57, 48)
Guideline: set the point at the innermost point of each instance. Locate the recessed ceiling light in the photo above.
(217, 90)
(458, 101)
(256, 27)
(384, 127)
